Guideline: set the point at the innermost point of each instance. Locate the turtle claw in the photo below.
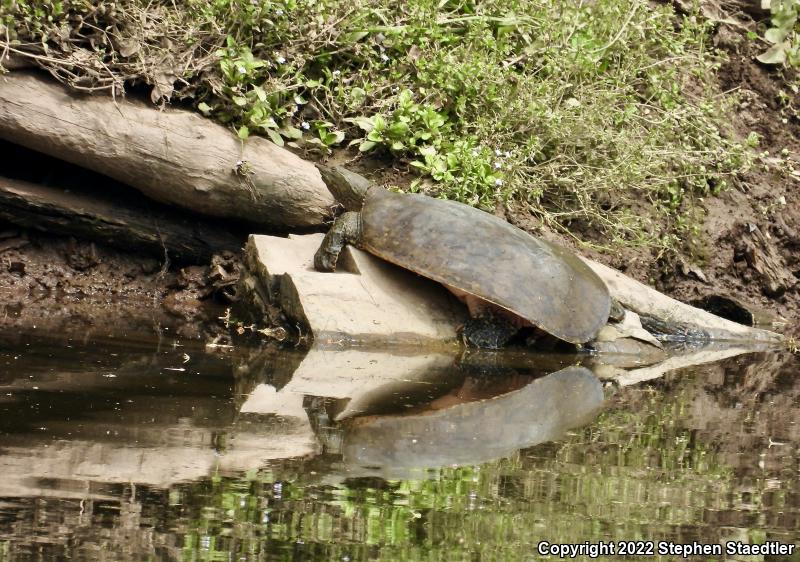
(346, 229)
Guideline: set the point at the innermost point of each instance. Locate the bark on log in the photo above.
(143, 230)
(173, 156)
(762, 257)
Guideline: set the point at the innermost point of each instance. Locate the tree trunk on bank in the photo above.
(95, 218)
(173, 156)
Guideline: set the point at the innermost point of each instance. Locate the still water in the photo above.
(155, 448)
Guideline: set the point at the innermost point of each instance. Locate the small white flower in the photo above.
(498, 165)
(508, 154)
(337, 72)
(279, 12)
(241, 70)
(254, 2)
(497, 152)
(384, 57)
(498, 182)
(280, 59)
(305, 126)
(474, 151)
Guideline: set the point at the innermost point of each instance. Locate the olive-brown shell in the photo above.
(485, 256)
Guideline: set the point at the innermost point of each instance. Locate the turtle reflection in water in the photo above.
(453, 431)
(508, 278)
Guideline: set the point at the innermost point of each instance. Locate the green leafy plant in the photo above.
(576, 113)
(784, 34)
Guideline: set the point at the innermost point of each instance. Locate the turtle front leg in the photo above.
(346, 229)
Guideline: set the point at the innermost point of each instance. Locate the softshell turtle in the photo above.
(476, 255)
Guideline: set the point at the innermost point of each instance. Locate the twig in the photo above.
(620, 32)
(5, 48)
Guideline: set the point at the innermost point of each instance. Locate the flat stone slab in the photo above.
(367, 300)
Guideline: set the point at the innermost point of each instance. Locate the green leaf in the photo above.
(268, 123)
(291, 132)
(404, 98)
(275, 137)
(260, 93)
(775, 35)
(364, 123)
(366, 146)
(398, 129)
(356, 96)
(333, 138)
(354, 36)
(241, 101)
(243, 132)
(775, 54)
(204, 108)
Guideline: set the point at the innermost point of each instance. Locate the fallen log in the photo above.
(173, 156)
(97, 218)
(645, 300)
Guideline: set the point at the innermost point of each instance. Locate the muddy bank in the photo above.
(747, 247)
(64, 284)
(750, 232)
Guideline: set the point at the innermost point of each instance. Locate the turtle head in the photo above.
(347, 187)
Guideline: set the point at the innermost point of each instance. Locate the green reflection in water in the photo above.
(637, 473)
(708, 455)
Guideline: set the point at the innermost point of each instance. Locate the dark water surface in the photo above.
(161, 449)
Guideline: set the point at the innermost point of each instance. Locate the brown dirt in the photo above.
(751, 231)
(62, 284)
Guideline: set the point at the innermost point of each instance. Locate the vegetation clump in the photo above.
(783, 34)
(599, 117)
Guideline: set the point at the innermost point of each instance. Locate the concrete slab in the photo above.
(367, 300)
